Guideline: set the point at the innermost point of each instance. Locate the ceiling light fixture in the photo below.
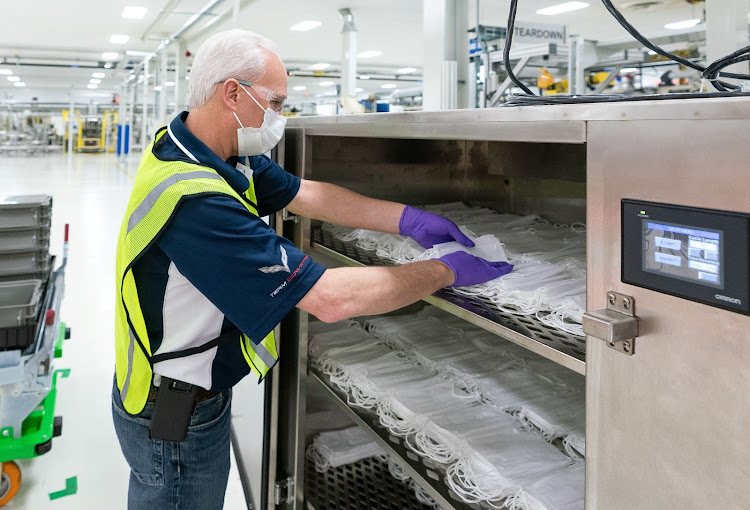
(388, 86)
(131, 77)
(14, 78)
(330, 93)
(326, 83)
(320, 67)
(406, 70)
(370, 54)
(98, 75)
(92, 86)
(109, 55)
(95, 81)
(158, 88)
(299, 88)
(119, 39)
(359, 89)
(562, 8)
(364, 77)
(304, 26)
(19, 84)
(169, 83)
(682, 24)
(627, 70)
(108, 65)
(6, 71)
(133, 12)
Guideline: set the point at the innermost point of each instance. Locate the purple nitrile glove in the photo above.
(430, 229)
(471, 270)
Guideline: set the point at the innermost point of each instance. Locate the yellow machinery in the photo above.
(547, 83)
(95, 133)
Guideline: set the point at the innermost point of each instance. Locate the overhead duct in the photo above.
(166, 11)
(195, 18)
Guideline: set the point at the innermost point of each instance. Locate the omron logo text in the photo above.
(729, 299)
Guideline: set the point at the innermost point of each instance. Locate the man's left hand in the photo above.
(430, 229)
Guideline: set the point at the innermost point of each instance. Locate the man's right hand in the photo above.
(471, 270)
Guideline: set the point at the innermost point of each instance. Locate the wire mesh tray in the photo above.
(363, 485)
(527, 326)
(25, 211)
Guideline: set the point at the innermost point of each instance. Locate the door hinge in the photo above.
(617, 324)
(284, 491)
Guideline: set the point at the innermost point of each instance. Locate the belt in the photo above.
(200, 396)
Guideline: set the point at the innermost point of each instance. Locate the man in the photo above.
(202, 281)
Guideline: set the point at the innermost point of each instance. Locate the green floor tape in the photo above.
(71, 487)
(65, 372)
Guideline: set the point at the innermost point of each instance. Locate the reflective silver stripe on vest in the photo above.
(262, 353)
(148, 203)
(131, 349)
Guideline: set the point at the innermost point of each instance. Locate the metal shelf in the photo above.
(426, 473)
(527, 331)
(363, 485)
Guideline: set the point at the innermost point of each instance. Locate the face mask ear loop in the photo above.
(238, 120)
(251, 97)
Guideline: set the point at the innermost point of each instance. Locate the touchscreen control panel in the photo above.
(697, 254)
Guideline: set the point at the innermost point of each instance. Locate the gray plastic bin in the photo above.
(23, 262)
(19, 302)
(25, 211)
(24, 239)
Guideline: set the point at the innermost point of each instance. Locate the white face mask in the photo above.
(256, 141)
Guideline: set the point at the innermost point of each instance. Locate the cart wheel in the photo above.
(10, 481)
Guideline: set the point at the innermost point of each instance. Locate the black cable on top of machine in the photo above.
(711, 72)
(506, 49)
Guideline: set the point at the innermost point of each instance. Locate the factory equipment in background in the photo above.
(23, 133)
(93, 132)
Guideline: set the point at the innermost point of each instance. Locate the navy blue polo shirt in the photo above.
(216, 266)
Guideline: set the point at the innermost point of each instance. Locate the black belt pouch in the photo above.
(175, 403)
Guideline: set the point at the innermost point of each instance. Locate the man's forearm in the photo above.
(328, 202)
(346, 292)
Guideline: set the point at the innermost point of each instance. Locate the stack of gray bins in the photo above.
(24, 266)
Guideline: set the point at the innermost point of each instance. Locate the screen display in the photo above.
(683, 252)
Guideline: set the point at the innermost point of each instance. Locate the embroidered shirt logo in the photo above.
(278, 268)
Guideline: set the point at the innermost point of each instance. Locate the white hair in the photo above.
(233, 53)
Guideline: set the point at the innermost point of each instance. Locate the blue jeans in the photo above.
(165, 475)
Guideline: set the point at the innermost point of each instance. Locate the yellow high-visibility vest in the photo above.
(158, 189)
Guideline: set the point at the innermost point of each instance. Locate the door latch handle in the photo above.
(617, 324)
(287, 216)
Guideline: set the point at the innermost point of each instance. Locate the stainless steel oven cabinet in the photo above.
(666, 427)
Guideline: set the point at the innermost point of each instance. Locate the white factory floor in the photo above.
(90, 193)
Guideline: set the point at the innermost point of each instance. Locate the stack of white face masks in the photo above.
(559, 490)
(339, 447)
(491, 452)
(540, 394)
(333, 449)
(548, 280)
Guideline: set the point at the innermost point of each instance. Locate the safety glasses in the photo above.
(275, 101)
